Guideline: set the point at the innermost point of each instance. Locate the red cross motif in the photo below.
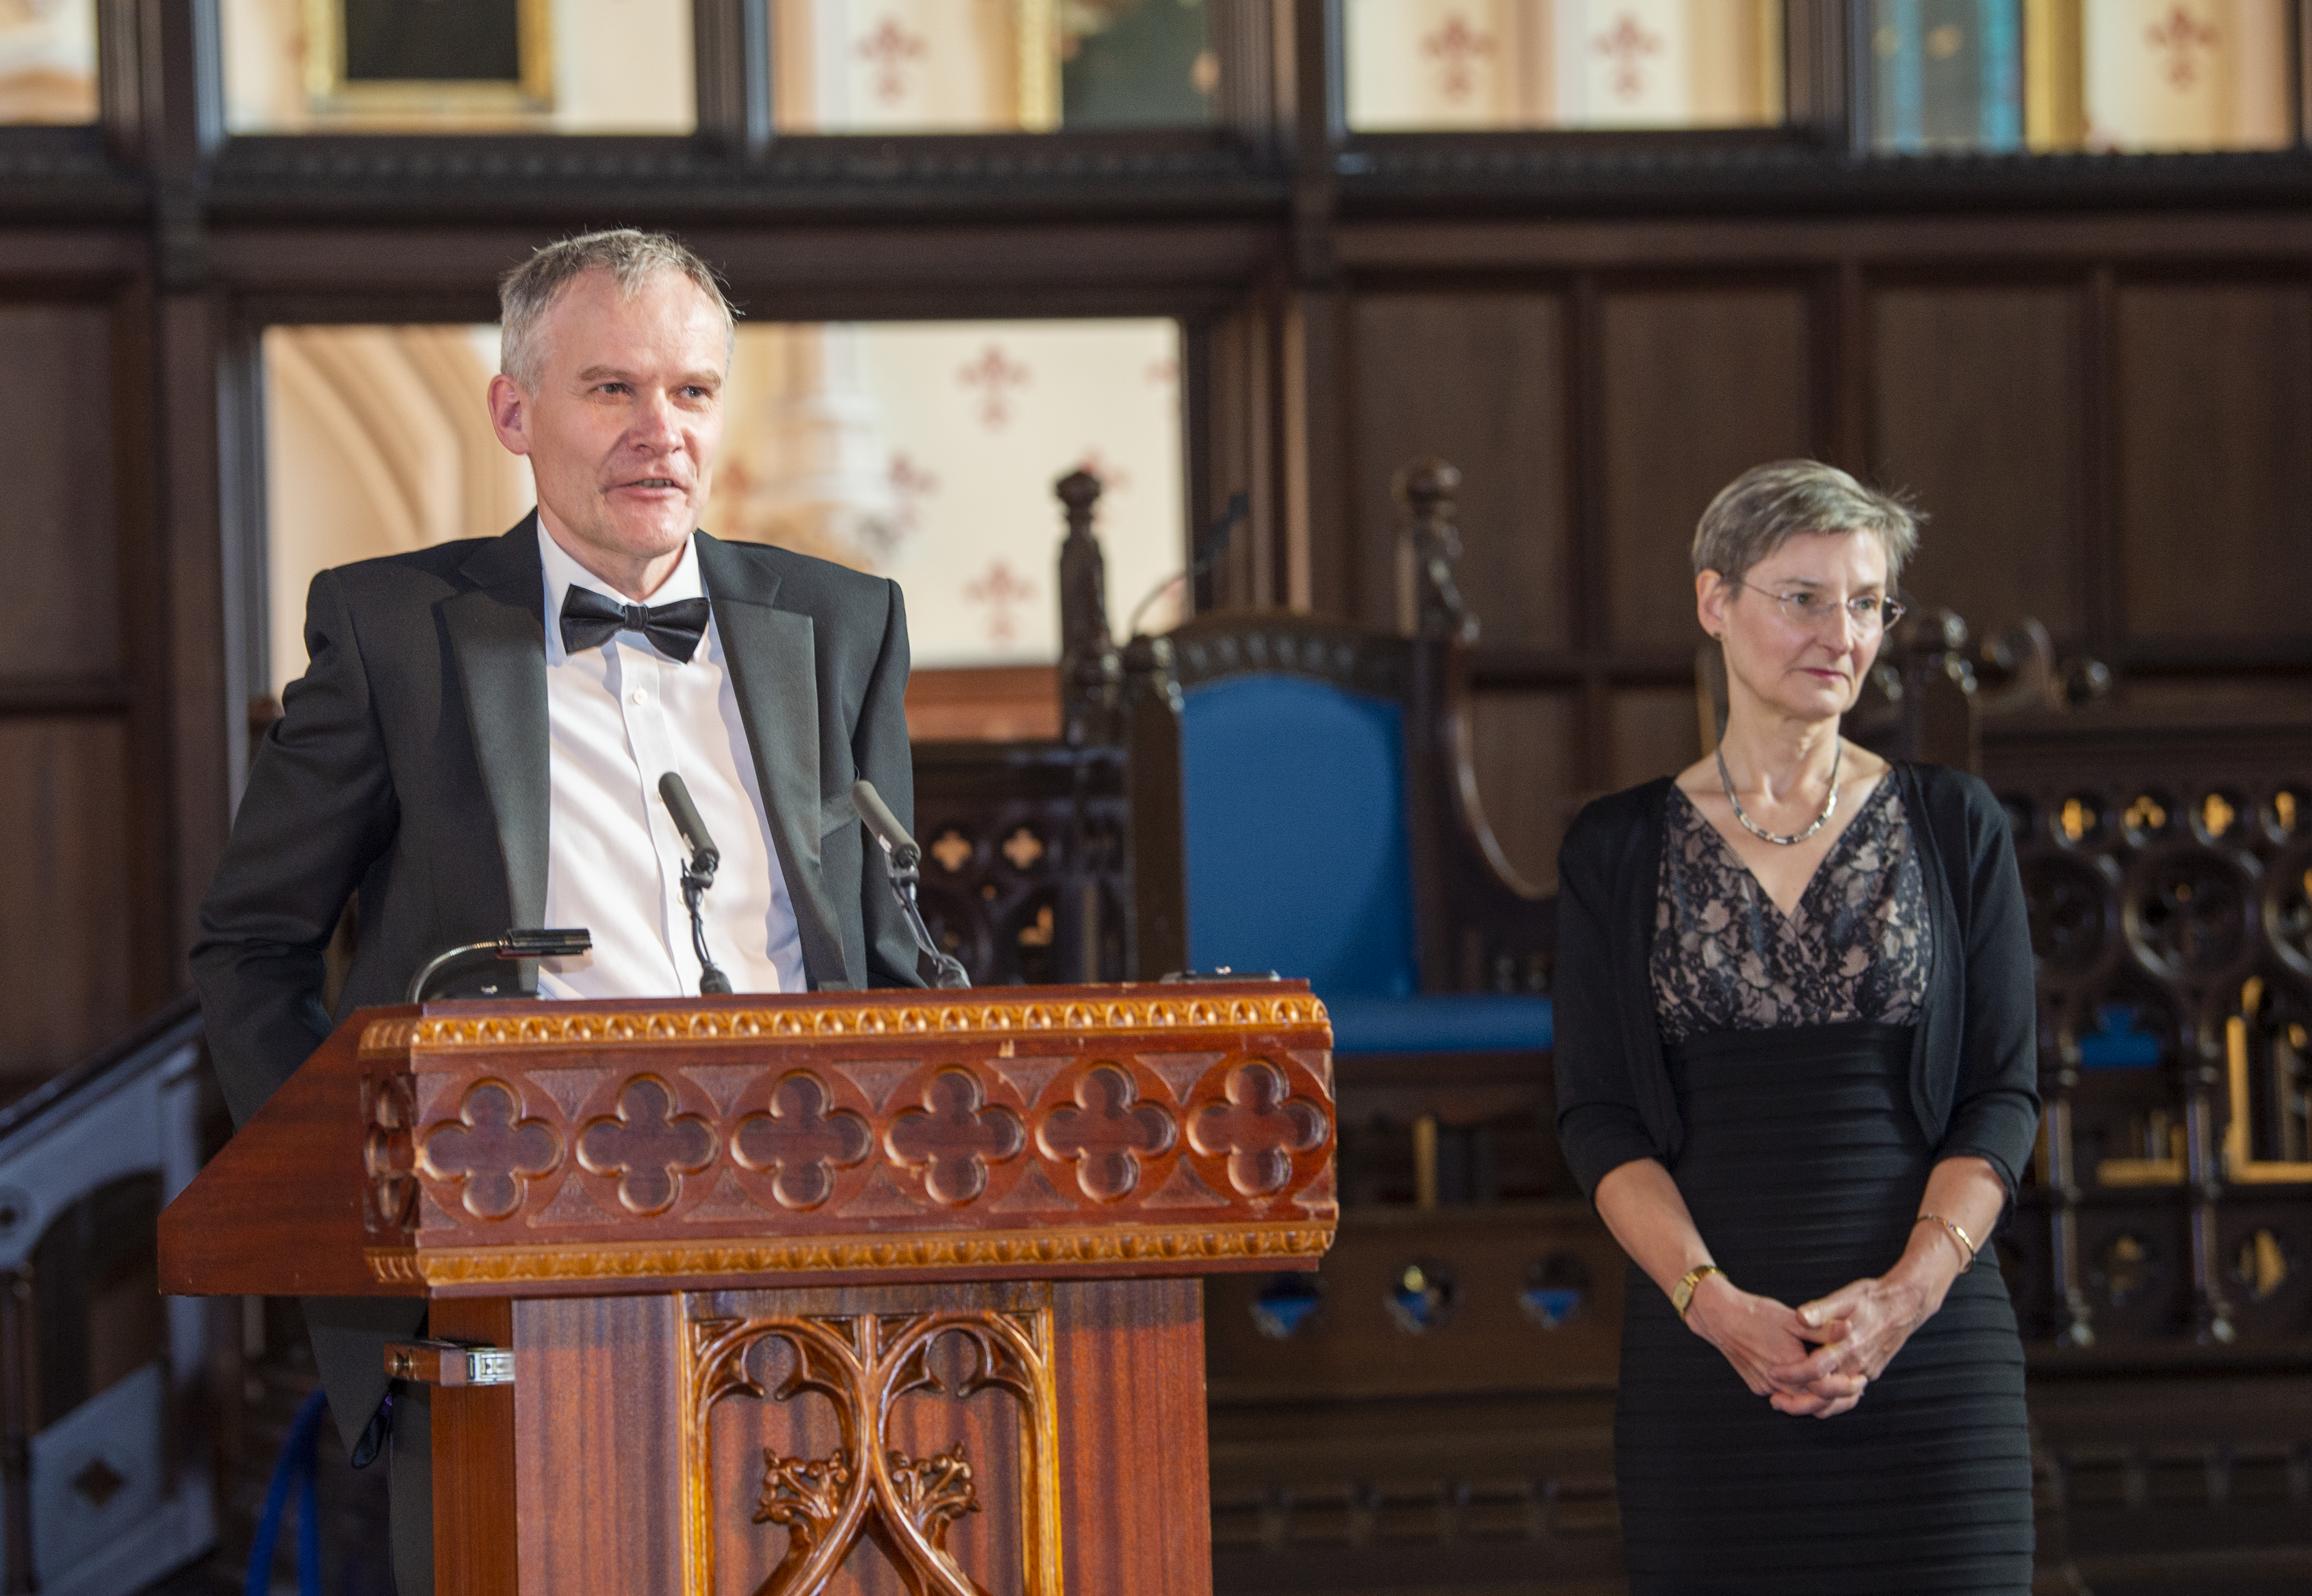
(909, 482)
(648, 1145)
(994, 374)
(1164, 372)
(2179, 33)
(1106, 1132)
(1112, 478)
(954, 1137)
(801, 1141)
(1259, 1128)
(1000, 590)
(890, 47)
(1626, 44)
(1458, 48)
(491, 1151)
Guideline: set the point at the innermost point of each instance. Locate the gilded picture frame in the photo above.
(526, 95)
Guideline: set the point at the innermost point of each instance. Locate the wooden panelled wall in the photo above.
(2109, 422)
(2094, 371)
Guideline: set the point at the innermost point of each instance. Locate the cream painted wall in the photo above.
(926, 452)
(619, 66)
(898, 65)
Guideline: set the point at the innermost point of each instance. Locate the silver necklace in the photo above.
(1830, 809)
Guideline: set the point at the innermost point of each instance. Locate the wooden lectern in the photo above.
(834, 1292)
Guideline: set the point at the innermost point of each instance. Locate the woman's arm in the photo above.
(1863, 1325)
(1760, 1337)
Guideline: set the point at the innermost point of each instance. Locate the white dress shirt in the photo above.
(620, 717)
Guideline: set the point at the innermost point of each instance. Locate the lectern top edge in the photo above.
(534, 1149)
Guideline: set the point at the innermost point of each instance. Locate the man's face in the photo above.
(622, 431)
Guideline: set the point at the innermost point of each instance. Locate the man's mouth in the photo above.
(653, 485)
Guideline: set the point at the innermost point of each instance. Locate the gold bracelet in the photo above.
(1965, 1244)
(1681, 1295)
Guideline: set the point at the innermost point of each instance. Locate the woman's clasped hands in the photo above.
(1815, 1360)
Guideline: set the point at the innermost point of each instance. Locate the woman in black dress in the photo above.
(1796, 1071)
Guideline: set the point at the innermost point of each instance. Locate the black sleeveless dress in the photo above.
(1788, 1041)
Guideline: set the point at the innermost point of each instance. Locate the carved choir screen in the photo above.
(2169, 867)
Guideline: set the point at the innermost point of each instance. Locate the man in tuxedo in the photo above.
(477, 741)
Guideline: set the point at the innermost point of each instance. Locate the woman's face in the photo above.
(1800, 628)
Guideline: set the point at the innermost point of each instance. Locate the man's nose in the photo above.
(653, 425)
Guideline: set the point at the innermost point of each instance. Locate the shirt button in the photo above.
(638, 696)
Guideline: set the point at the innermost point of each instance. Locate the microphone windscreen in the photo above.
(880, 820)
(703, 851)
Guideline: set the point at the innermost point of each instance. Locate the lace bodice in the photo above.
(1726, 958)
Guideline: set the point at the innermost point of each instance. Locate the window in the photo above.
(1428, 64)
(2101, 76)
(993, 65)
(48, 61)
(472, 67)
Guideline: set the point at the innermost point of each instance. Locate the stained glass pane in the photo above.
(1947, 75)
(1415, 64)
(48, 61)
(994, 67)
(472, 66)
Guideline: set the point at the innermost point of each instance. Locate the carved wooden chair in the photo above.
(1302, 800)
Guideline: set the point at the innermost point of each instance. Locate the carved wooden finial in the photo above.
(1079, 489)
(1427, 486)
(1090, 673)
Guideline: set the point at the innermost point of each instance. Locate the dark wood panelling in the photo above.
(1479, 379)
(2214, 393)
(1657, 731)
(64, 930)
(1976, 409)
(1697, 387)
(1524, 756)
(56, 452)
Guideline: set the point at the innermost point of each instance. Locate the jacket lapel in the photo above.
(770, 655)
(498, 630)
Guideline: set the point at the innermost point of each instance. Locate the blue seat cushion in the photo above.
(1441, 1023)
(1292, 793)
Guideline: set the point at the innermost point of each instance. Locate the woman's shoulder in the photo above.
(1618, 817)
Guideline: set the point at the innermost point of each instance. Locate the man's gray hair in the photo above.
(1768, 505)
(632, 258)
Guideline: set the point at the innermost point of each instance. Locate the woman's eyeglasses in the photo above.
(1812, 611)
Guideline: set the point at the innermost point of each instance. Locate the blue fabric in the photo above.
(298, 1468)
(1294, 798)
(1440, 1023)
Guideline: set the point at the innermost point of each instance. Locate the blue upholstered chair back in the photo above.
(1294, 798)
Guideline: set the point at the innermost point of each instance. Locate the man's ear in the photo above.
(510, 413)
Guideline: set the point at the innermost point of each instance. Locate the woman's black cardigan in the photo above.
(1974, 1063)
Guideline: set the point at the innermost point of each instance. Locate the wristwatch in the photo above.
(1681, 1295)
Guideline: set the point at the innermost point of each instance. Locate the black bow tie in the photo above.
(590, 619)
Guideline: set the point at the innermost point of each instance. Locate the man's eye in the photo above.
(1801, 600)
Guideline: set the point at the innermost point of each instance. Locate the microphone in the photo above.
(697, 876)
(704, 855)
(905, 858)
(897, 844)
(544, 942)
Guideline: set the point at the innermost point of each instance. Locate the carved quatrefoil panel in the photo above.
(802, 1141)
(389, 1155)
(954, 1137)
(1106, 1132)
(1259, 1128)
(647, 1145)
(491, 1152)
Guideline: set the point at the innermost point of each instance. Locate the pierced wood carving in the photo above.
(614, 1143)
(864, 1365)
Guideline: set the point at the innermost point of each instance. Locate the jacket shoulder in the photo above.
(1960, 795)
(810, 581)
(435, 565)
(1607, 827)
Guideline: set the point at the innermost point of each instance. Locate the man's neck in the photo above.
(635, 577)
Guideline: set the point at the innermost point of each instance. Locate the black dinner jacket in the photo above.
(1974, 1070)
(410, 765)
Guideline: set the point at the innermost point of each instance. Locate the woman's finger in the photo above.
(1839, 1304)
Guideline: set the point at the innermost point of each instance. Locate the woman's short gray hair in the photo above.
(1768, 505)
(632, 258)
